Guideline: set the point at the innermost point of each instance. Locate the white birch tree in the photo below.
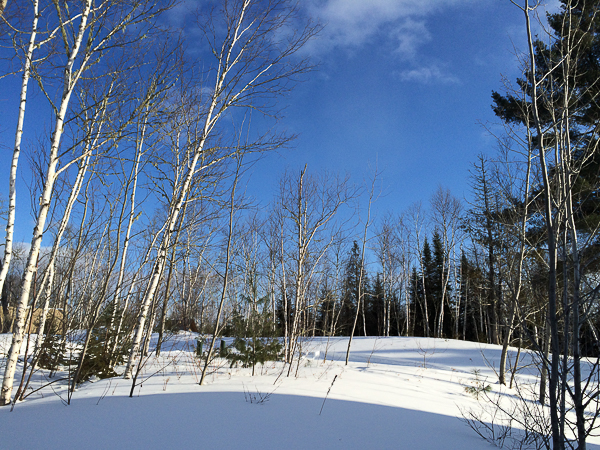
(84, 47)
(254, 64)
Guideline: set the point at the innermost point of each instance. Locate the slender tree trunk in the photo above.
(298, 301)
(163, 313)
(75, 191)
(133, 285)
(360, 300)
(519, 282)
(466, 309)
(50, 178)
(555, 412)
(506, 342)
(149, 330)
(165, 305)
(12, 190)
(133, 178)
(225, 275)
(212, 116)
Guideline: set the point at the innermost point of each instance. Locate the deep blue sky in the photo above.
(404, 84)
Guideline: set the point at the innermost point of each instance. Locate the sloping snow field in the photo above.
(400, 393)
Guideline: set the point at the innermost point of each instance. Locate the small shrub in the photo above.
(255, 342)
(52, 353)
(256, 399)
(478, 385)
(99, 361)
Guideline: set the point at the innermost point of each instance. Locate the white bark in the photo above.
(447, 216)
(310, 205)
(69, 84)
(119, 285)
(418, 220)
(360, 300)
(12, 196)
(239, 73)
(225, 274)
(78, 56)
(55, 248)
(209, 123)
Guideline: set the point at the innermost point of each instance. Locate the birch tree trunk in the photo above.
(69, 84)
(360, 300)
(225, 64)
(447, 215)
(163, 315)
(56, 246)
(83, 48)
(417, 214)
(555, 412)
(216, 331)
(308, 206)
(248, 65)
(516, 290)
(12, 191)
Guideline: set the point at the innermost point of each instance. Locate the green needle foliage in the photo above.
(255, 342)
(478, 386)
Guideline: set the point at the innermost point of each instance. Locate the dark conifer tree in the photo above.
(485, 228)
(375, 308)
(418, 304)
(578, 32)
(431, 288)
(440, 293)
(350, 291)
(280, 312)
(326, 312)
(471, 325)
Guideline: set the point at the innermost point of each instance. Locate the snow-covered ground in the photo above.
(401, 393)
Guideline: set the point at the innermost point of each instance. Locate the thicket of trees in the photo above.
(134, 198)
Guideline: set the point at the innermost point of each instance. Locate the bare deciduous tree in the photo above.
(255, 62)
(84, 50)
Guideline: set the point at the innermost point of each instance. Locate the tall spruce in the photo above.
(557, 107)
(440, 296)
(576, 31)
(350, 292)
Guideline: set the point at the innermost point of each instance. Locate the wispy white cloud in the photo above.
(400, 25)
(353, 23)
(428, 74)
(410, 35)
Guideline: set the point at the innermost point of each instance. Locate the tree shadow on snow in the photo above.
(215, 420)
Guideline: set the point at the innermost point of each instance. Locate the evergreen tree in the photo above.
(350, 291)
(434, 282)
(471, 325)
(375, 308)
(417, 303)
(440, 293)
(256, 340)
(431, 287)
(280, 312)
(484, 224)
(576, 31)
(326, 312)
